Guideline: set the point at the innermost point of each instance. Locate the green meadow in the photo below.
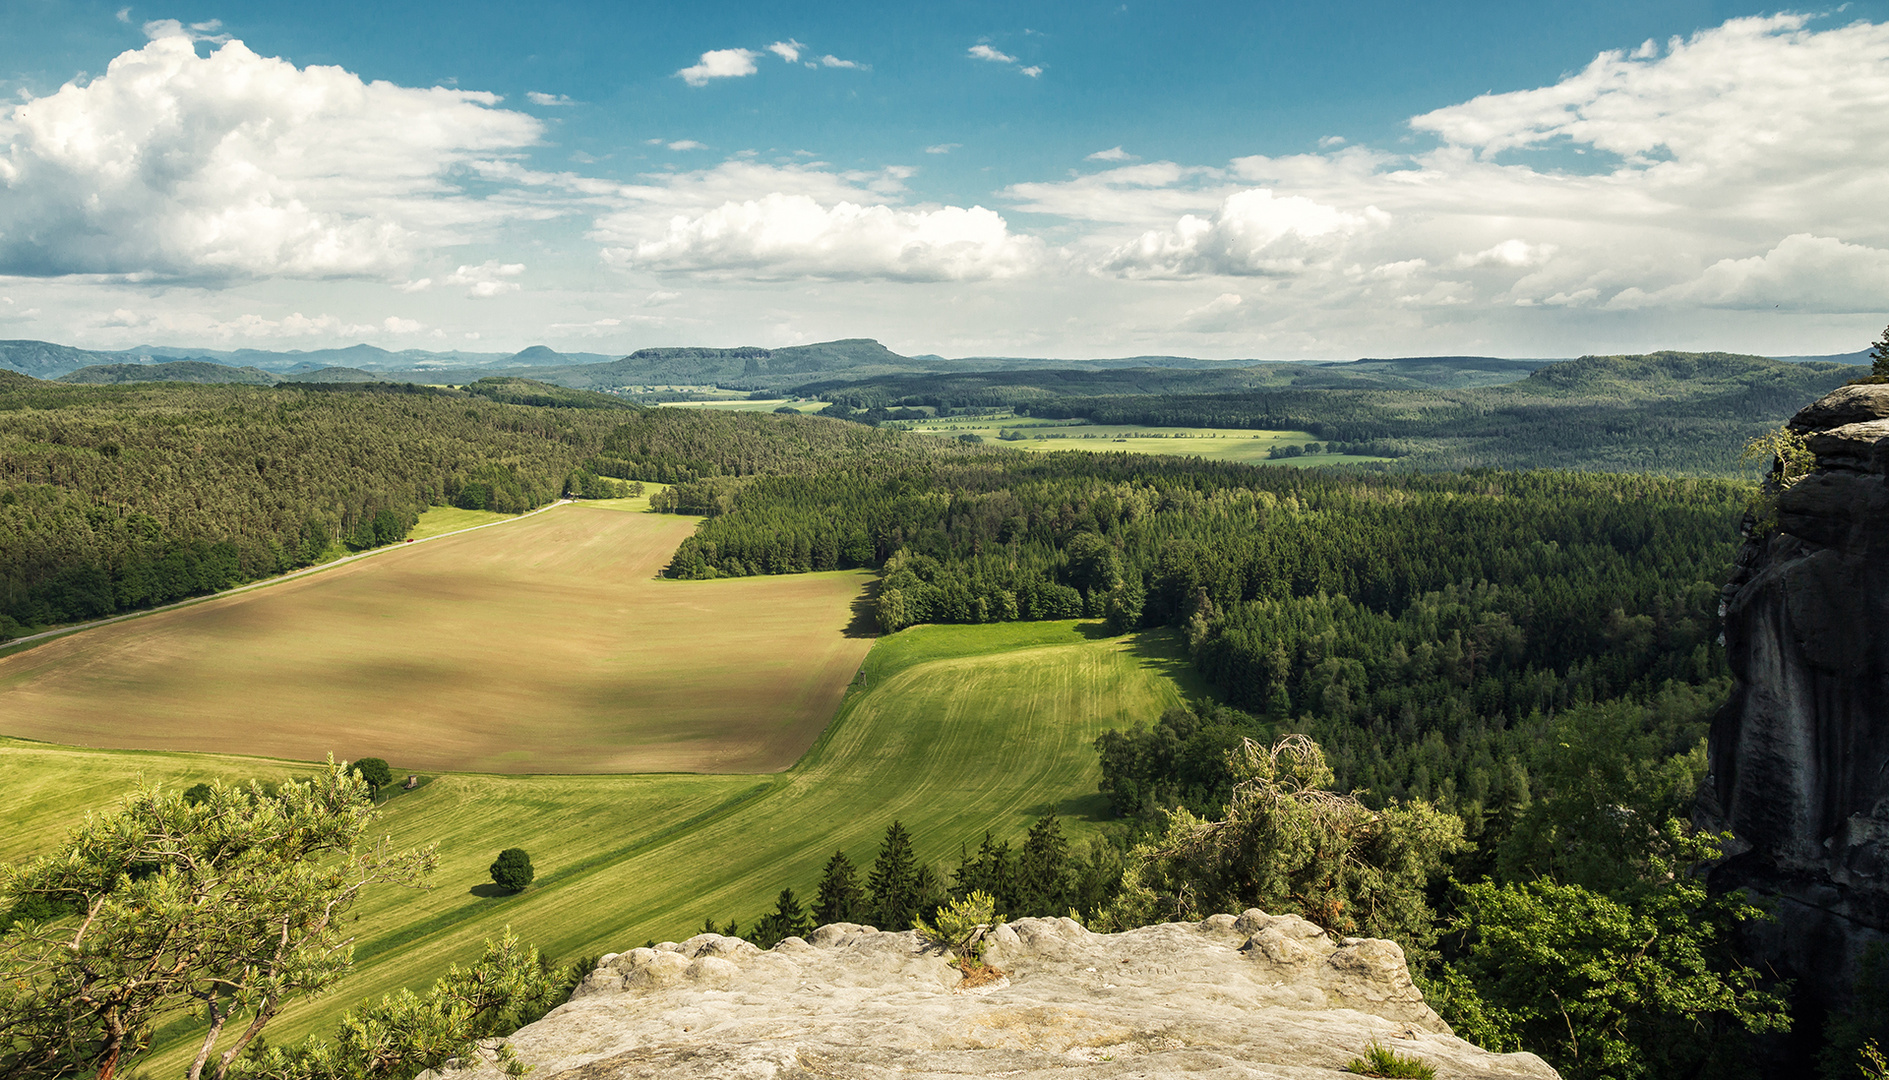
(1217, 444)
(953, 730)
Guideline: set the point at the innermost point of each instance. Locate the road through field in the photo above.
(545, 645)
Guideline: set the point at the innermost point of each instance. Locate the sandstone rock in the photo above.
(1799, 757)
(1248, 997)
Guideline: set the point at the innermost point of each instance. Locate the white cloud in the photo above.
(788, 50)
(985, 52)
(943, 148)
(393, 324)
(687, 144)
(490, 278)
(171, 28)
(719, 64)
(540, 98)
(1509, 253)
(832, 61)
(1113, 153)
(233, 165)
(421, 285)
(1253, 232)
(1802, 273)
(813, 224)
(1032, 71)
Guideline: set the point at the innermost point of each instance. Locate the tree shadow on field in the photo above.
(1162, 652)
(1091, 807)
(490, 890)
(865, 620)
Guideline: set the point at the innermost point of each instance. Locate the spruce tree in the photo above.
(991, 870)
(892, 887)
(1879, 354)
(1043, 871)
(839, 898)
(788, 919)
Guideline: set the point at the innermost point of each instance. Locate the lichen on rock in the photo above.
(1253, 995)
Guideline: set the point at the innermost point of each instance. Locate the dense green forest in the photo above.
(1669, 413)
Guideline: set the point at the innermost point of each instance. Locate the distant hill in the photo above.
(44, 360)
(333, 375)
(190, 371)
(1860, 356)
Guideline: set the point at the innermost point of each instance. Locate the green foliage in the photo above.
(1879, 355)
(894, 891)
(788, 919)
(1855, 1033)
(227, 908)
(959, 927)
(513, 390)
(1290, 844)
(1381, 1060)
(115, 498)
(375, 771)
(512, 870)
(1790, 460)
(405, 1034)
(1617, 987)
(839, 898)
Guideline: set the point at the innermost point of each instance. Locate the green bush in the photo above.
(960, 927)
(1381, 1060)
(375, 771)
(512, 870)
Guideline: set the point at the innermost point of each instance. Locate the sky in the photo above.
(1231, 180)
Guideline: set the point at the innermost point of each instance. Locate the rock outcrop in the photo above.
(1799, 757)
(1248, 996)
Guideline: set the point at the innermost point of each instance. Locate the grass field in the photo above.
(771, 404)
(1219, 444)
(954, 730)
(545, 644)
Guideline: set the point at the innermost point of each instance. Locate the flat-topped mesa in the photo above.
(1799, 756)
(1247, 996)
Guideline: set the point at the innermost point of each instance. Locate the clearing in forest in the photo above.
(956, 730)
(545, 644)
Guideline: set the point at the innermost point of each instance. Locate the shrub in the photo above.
(960, 927)
(1381, 1060)
(375, 771)
(512, 870)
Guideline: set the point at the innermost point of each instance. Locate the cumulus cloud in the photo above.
(829, 60)
(985, 52)
(687, 144)
(782, 235)
(1253, 232)
(537, 97)
(176, 166)
(1113, 153)
(1802, 273)
(488, 279)
(719, 64)
(788, 50)
(171, 28)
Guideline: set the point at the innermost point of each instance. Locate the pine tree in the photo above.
(788, 919)
(1043, 871)
(839, 898)
(1879, 354)
(991, 870)
(892, 887)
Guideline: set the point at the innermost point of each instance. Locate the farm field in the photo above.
(955, 730)
(1218, 444)
(769, 405)
(545, 644)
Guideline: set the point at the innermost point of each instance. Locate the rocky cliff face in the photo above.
(1800, 754)
(1247, 996)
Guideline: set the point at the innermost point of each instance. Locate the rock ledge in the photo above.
(1248, 996)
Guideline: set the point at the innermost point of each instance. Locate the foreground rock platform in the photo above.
(1231, 997)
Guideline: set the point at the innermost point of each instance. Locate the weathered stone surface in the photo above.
(1232, 997)
(1800, 755)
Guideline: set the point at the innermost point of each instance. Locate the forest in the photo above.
(1476, 698)
(1667, 413)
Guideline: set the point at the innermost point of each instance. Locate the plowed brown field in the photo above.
(545, 645)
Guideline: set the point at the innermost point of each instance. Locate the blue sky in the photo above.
(1071, 179)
